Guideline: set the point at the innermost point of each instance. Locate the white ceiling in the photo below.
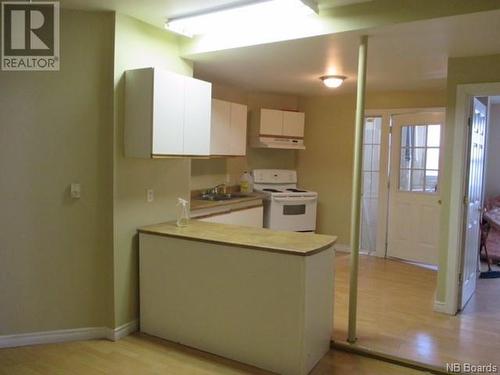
(156, 12)
(409, 56)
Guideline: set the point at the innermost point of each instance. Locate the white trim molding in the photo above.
(440, 307)
(124, 330)
(65, 335)
(52, 337)
(342, 248)
(458, 168)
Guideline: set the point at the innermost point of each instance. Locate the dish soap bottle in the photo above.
(246, 183)
(182, 212)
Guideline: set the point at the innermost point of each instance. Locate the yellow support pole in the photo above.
(356, 189)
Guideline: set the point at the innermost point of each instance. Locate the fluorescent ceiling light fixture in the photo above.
(332, 82)
(246, 15)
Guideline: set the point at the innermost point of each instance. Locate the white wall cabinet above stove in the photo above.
(229, 128)
(166, 114)
(278, 129)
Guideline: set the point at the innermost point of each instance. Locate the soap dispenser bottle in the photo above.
(182, 212)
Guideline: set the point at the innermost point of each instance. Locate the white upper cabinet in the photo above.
(271, 122)
(229, 128)
(238, 134)
(293, 124)
(281, 123)
(166, 114)
(197, 113)
(168, 119)
(221, 127)
(271, 128)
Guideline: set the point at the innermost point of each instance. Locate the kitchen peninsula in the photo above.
(254, 295)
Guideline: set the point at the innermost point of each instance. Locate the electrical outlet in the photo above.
(150, 195)
(75, 191)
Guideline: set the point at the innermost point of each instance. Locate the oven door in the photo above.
(293, 213)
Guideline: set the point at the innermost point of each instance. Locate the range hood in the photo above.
(282, 142)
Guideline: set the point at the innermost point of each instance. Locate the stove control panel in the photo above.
(274, 176)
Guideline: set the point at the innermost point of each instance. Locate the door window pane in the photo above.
(432, 158)
(404, 179)
(420, 135)
(419, 158)
(368, 134)
(417, 180)
(375, 157)
(431, 180)
(371, 167)
(434, 136)
(367, 157)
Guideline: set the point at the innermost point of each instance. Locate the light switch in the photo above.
(150, 195)
(75, 191)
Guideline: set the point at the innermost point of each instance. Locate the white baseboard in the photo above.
(342, 248)
(123, 330)
(64, 335)
(442, 307)
(50, 337)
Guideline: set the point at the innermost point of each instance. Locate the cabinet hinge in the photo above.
(466, 200)
(460, 278)
(469, 121)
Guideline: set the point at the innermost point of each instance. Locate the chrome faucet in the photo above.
(217, 189)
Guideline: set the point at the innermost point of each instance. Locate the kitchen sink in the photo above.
(222, 197)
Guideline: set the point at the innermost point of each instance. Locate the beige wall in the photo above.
(326, 164)
(460, 71)
(493, 156)
(55, 129)
(140, 45)
(208, 173)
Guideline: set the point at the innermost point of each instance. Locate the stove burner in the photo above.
(297, 190)
(272, 190)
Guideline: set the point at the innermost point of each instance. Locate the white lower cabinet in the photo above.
(250, 217)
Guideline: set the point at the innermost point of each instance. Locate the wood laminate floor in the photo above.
(395, 314)
(140, 354)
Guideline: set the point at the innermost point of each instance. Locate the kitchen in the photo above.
(70, 262)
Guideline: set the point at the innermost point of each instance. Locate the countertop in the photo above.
(199, 204)
(292, 243)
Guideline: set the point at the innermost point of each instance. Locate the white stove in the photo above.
(286, 206)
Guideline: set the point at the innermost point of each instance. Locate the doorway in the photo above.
(400, 201)
(481, 254)
(414, 193)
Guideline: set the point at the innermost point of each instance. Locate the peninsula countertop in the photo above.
(292, 243)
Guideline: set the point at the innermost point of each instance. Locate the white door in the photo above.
(293, 124)
(197, 116)
(474, 198)
(414, 195)
(271, 122)
(220, 127)
(168, 113)
(238, 141)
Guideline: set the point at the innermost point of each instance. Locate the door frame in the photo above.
(455, 248)
(383, 191)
